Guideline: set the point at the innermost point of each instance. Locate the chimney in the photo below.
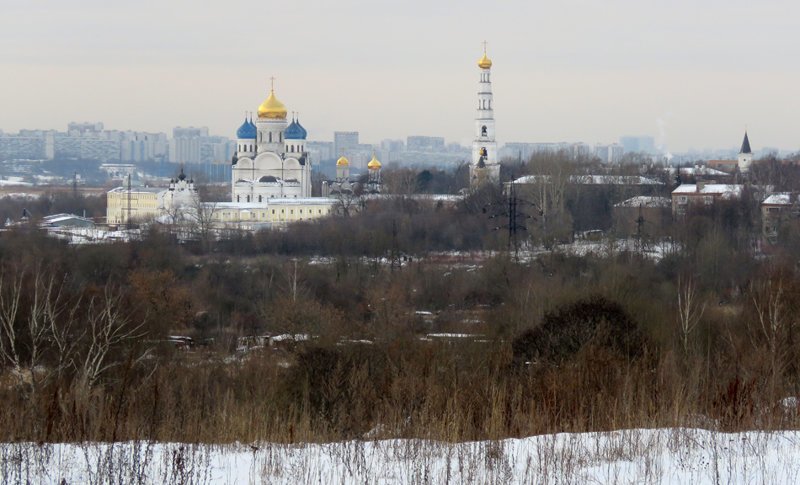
(701, 184)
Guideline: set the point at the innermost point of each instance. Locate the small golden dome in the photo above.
(271, 108)
(374, 164)
(342, 162)
(484, 62)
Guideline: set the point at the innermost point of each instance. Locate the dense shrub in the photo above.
(588, 324)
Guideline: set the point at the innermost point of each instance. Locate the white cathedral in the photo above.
(485, 167)
(271, 161)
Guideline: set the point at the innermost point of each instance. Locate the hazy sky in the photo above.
(691, 73)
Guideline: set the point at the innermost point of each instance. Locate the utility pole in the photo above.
(129, 203)
(511, 209)
(639, 233)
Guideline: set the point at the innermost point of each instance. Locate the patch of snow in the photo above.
(670, 456)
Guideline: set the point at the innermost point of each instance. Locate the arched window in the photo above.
(259, 198)
(237, 198)
(483, 130)
(248, 198)
(270, 137)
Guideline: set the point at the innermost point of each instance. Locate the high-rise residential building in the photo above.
(609, 153)
(90, 141)
(425, 143)
(195, 145)
(27, 144)
(320, 151)
(642, 144)
(344, 141)
(75, 128)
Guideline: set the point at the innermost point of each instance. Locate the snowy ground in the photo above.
(674, 456)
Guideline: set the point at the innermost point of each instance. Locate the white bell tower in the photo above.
(485, 166)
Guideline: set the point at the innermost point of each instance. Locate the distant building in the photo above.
(83, 129)
(485, 166)
(85, 141)
(345, 144)
(701, 194)
(727, 166)
(320, 151)
(185, 144)
(31, 146)
(640, 144)
(272, 213)
(745, 158)
(144, 204)
(65, 220)
(425, 143)
(139, 204)
(609, 153)
(618, 180)
(775, 210)
(392, 150)
(344, 141)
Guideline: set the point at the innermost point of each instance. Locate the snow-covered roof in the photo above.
(781, 198)
(134, 190)
(285, 201)
(645, 201)
(727, 191)
(592, 180)
(422, 197)
(703, 171)
(57, 218)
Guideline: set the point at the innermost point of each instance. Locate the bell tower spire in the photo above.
(485, 166)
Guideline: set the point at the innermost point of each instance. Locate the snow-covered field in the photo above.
(679, 456)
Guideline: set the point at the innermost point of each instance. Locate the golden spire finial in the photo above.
(271, 107)
(484, 62)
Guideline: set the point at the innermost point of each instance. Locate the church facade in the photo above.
(271, 161)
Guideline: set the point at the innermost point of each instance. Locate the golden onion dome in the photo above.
(374, 164)
(271, 108)
(484, 62)
(342, 162)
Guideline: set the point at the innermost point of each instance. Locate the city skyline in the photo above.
(572, 72)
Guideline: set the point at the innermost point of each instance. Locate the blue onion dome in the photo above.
(295, 131)
(247, 131)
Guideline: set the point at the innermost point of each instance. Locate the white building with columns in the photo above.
(485, 166)
(271, 159)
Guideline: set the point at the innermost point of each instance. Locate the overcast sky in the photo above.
(690, 73)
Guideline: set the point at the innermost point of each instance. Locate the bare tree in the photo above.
(690, 311)
(106, 327)
(10, 296)
(400, 181)
(551, 175)
(347, 203)
(202, 225)
(774, 325)
(43, 331)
